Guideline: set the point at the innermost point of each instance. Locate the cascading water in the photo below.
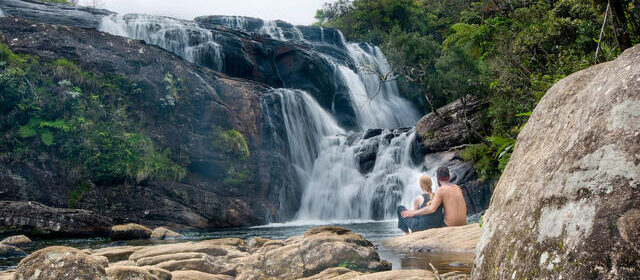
(378, 103)
(335, 174)
(235, 22)
(338, 188)
(308, 126)
(271, 28)
(184, 38)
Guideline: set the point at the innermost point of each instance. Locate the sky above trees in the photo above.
(293, 11)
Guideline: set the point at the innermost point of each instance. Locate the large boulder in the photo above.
(129, 232)
(117, 253)
(197, 275)
(34, 217)
(566, 205)
(342, 273)
(132, 272)
(8, 251)
(163, 233)
(17, 240)
(216, 247)
(456, 123)
(446, 239)
(60, 262)
(320, 248)
(7, 274)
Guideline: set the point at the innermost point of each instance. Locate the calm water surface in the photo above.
(373, 231)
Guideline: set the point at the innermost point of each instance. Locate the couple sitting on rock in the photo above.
(444, 208)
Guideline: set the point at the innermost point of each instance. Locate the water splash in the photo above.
(184, 38)
(340, 190)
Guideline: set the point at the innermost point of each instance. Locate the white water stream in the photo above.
(324, 155)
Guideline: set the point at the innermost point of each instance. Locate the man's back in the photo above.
(455, 208)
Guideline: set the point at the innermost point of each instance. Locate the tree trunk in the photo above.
(619, 20)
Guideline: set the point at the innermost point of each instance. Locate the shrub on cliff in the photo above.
(53, 111)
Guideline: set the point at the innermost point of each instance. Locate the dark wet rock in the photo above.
(366, 156)
(209, 100)
(477, 192)
(34, 217)
(386, 197)
(567, 203)
(457, 124)
(46, 12)
(371, 133)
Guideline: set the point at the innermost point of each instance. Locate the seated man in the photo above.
(432, 220)
(450, 196)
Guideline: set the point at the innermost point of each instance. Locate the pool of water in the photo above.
(373, 231)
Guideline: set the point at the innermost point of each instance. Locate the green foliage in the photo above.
(236, 178)
(77, 194)
(45, 129)
(349, 265)
(231, 142)
(173, 88)
(115, 157)
(81, 118)
(507, 53)
(485, 164)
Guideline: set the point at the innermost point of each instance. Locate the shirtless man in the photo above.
(449, 195)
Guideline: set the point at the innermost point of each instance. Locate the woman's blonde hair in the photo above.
(426, 183)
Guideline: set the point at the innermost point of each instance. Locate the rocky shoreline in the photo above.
(325, 252)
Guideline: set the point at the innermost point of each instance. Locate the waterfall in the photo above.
(308, 126)
(379, 103)
(339, 191)
(325, 172)
(184, 38)
(295, 128)
(235, 22)
(271, 28)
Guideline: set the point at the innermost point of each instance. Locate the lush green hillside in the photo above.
(83, 118)
(508, 53)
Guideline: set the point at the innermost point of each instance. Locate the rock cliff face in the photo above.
(456, 125)
(209, 101)
(38, 11)
(568, 203)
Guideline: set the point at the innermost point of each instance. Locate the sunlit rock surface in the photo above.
(446, 239)
(567, 203)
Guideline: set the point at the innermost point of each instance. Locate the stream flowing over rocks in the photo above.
(568, 202)
(326, 139)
